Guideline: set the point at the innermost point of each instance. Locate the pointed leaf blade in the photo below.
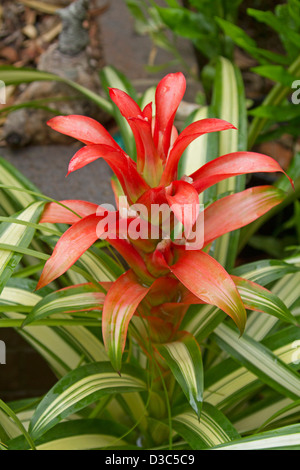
(212, 429)
(79, 389)
(19, 236)
(209, 281)
(122, 300)
(74, 242)
(258, 298)
(184, 358)
(69, 300)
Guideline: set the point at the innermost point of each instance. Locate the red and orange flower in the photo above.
(163, 278)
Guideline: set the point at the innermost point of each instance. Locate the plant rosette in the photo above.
(167, 250)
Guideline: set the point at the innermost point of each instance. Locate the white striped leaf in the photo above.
(95, 262)
(79, 389)
(265, 271)
(202, 150)
(185, 361)
(112, 78)
(19, 236)
(63, 347)
(229, 105)
(202, 320)
(99, 265)
(287, 289)
(268, 414)
(78, 435)
(69, 300)
(211, 430)
(11, 177)
(8, 428)
(9, 412)
(260, 299)
(259, 360)
(227, 382)
(287, 438)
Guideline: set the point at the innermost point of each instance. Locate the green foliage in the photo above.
(195, 21)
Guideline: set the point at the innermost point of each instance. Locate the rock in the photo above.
(73, 38)
(28, 126)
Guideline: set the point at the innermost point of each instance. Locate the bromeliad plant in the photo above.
(165, 276)
(171, 299)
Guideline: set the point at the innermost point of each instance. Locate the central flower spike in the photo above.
(164, 276)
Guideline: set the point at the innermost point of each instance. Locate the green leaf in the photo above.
(11, 177)
(287, 289)
(259, 360)
(19, 236)
(69, 300)
(185, 361)
(244, 41)
(227, 382)
(265, 271)
(276, 73)
(201, 151)
(276, 23)
(85, 434)
(136, 10)
(79, 389)
(16, 75)
(287, 438)
(212, 429)
(18, 423)
(186, 23)
(276, 113)
(260, 299)
(229, 103)
(112, 78)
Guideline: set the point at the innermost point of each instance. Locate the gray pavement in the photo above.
(47, 167)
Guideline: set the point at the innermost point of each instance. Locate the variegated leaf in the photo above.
(185, 361)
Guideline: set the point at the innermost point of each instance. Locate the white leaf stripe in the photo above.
(14, 234)
(86, 442)
(8, 176)
(95, 267)
(20, 296)
(188, 163)
(260, 273)
(203, 320)
(265, 301)
(207, 429)
(57, 405)
(79, 301)
(256, 419)
(287, 289)
(229, 95)
(181, 356)
(70, 343)
(288, 437)
(267, 365)
(77, 393)
(77, 434)
(219, 392)
(85, 342)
